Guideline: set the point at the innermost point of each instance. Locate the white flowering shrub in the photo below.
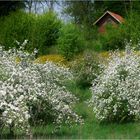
(32, 93)
(116, 92)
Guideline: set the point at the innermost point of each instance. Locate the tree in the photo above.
(70, 41)
(7, 6)
(29, 4)
(86, 12)
(50, 4)
(119, 7)
(39, 6)
(81, 11)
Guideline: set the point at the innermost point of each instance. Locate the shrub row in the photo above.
(41, 31)
(44, 32)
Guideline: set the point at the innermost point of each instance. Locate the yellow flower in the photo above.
(58, 59)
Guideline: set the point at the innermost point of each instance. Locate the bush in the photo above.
(32, 91)
(116, 95)
(41, 31)
(45, 32)
(16, 26)
(132, 29)
(115, 37)
(86, 68)
(112, 39)
(70, 41)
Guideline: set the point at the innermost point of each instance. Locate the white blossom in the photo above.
(25, 82)
(116, 92)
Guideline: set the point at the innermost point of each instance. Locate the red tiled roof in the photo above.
(114, 15)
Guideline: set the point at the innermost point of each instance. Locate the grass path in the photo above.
(91, 129)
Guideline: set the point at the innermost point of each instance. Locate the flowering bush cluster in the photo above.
(116, 92)
(28, 88)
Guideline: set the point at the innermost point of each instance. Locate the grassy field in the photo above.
(91, 129)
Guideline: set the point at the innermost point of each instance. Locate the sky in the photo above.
(58, 8)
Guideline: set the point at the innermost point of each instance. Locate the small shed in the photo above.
(108, 18)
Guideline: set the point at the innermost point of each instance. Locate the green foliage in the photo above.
(93, 9)
(80, 16)
(16, 26)
(41, 31)
(11, 5)
(86, 69)
(45, 31)
(81, 93)
(113, 38)
(120, 7)
(70, 41)
(132, 28)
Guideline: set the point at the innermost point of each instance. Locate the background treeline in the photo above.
(47, 31)
(41, 31)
